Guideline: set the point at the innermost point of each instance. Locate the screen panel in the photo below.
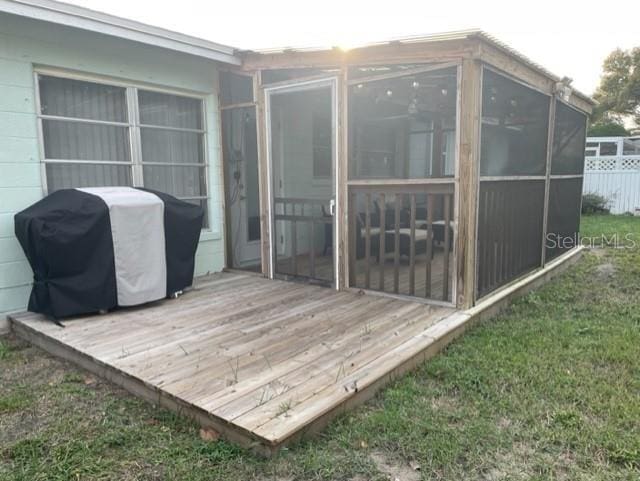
(403, 127)
(510, 220)
(569, 136)
(235, 88)
(515, 121)
(563, 219)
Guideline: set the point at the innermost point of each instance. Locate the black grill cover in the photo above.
(67, 240)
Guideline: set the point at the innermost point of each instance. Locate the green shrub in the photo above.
(594, 204)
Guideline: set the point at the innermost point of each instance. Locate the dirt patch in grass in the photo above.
(606, 271)
(393, 469)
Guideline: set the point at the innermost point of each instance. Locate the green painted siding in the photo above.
(25, 44)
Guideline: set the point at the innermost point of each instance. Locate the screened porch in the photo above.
(399, 169)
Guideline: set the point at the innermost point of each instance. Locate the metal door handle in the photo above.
(332, 207)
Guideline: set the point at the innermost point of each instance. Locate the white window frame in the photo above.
(133, 126)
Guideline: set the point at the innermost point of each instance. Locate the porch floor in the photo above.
(260, 361)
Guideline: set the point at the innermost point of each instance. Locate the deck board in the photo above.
(259, 359)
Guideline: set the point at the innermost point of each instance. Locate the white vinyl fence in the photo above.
(612, 170)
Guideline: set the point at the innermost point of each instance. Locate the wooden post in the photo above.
(367, 241)
(342, 221)
(547, 182)
(353, 225)
(263, 189)
(412, 247)
(396, 246)
(447, 242)
(469, 159)
(312, 244)
(427, 282)
(294, 241)
(382, 252)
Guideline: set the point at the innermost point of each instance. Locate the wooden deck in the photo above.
(265, 362)
(260, 361)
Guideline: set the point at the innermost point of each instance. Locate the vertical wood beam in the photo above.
(412, 246)
(343, 250)
(382, 248)
(468, 167)
(427, 282)
(447, 246)
(294, 241)
(312, 244)
(547, 181)
(226, 224)
(263, 190)
(353, 225)
(396, 246)
(367, 241)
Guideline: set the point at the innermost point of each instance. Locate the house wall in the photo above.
(26, 43)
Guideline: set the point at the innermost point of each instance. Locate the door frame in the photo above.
(298, 86)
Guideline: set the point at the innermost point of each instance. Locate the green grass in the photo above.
(550, 390)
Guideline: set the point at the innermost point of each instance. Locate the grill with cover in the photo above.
(97, 248)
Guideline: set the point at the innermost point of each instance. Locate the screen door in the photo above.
(302, 151)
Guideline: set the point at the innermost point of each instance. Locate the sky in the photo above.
(567, 37)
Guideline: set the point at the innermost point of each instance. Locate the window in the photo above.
(96, 135)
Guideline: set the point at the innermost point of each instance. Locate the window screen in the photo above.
(322, 142)
(569, 136)
(235, 88)
(563, 218)
(87, 138)
(515, 122)
(510, 220)
(403, 127)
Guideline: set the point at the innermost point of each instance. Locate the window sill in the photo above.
(209, 235)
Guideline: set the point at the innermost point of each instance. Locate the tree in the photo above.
(619, 91)
(605, 128)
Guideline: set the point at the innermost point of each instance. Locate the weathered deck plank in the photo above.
(237, 348)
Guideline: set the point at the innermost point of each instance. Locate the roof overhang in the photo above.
(440, 47)
(93, 21)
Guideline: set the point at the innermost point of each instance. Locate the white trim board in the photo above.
(93, 21)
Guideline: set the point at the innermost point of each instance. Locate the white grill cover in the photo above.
(137, 229)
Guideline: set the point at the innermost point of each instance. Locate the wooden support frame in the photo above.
(468, 182)
(547, 180)
(343, 205)
(265, 226)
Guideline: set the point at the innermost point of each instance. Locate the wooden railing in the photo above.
(402, 221)
(308, 212)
